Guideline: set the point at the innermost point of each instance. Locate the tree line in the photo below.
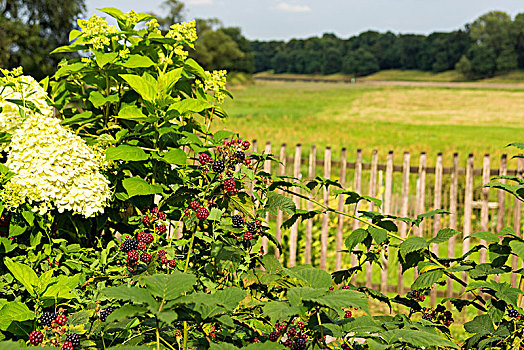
(493, 43)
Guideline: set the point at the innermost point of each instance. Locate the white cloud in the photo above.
(287, 7)
(198, 2)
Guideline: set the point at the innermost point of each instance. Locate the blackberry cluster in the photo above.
(299, 344)
(273, 336)
(229, 185)
(294, 334)
(438, 315)
(514, 313)
(202, 214)
(105, 313)
(161, 252)
(128, 245)
(245, 145)
(172, 263)
(47, 318)
(61, 320)
(418, 294)
(218, 166)
(237, 220)
(145, 237)
(345, 287)
(160, 228)
(36, 338)
(204, 158)
(146, 220)
(161, 216)
(132, 257)
(67, 346)
(74, 339)
(142, 246)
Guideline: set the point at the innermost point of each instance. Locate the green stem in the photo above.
(157, 335)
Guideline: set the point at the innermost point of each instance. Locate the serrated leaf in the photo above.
(412, 244)
(190, 105)
(417, 338)
(169, 287)
(175, 156)
(487, 236)
(279, 310)
(316, 278)
(24, 274)
(427, 279)
(243, 203)
(517, 247)
(379, 234)
(444, 235)
(230, 297)
(481, 324)
(126, 153)
(278, 201)
(356, 237)
(14, 311)
(134, 294)
(339, 299)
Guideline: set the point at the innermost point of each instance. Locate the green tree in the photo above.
(463, 66)
(173, 11)
(360, 62)
(246, 63)
(483, 61)
(493, 29)
(29, 30)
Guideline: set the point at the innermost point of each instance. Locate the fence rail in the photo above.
(406, 189)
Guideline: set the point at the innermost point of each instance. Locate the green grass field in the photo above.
(366, 116)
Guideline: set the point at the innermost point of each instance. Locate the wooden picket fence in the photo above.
(405, 190)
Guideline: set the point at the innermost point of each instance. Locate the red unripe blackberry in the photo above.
(148, 238)
(36, 338)
(274, 336)
(204, 158)
(161, 216)
(128, 245)
(291, 332)
(140, 237)
(304, 336)
(194, 205)
(161, 252)
(74, 339)
(212, 334)
(331, 288)
(347, 314)
(61, 320)
(288, 343)
(154, 210)
(345, 287)
(145, 257)
(246, 144)
(345, 346)
(300, 325)
(202, 214)
(281, 327)
(247, 161)
(172, 263)
(141, 246)
(229, 185)
(248, 236)
(47, 318)
(256, 340)
(164, 260)
(161, 228)
(146, 220)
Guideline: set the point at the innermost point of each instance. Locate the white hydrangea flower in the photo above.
(54, 169)
(27, 90)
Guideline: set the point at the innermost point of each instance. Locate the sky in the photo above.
(286, 19)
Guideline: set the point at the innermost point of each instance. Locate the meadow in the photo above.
(370, 116)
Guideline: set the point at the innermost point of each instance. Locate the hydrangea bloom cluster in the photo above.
(96, 31)
(215, 81)
(54, 168)
(22, 88)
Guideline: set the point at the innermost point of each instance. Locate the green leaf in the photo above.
(279, 310)
(264, 346)
(169, 287)
(444, 235)
(137, 61)
(426, 280)
(222, 346)
(126, 153)
(14, 311)
(481, 324)
(98, 100)
(379, 234)
(113, 12)
(190, 105)
(175, 156)
(356, 237)
(417, 338)
(517, 247)
(277, 201)
(23, 273)
(242, 202)
(487, 236)
(341, 298)
(136, 186)
(222, 134)
(412, 244)
(141, 85)
(230, 297)
(132, 113)
(103, 58)
(316, 278)
(134, 294)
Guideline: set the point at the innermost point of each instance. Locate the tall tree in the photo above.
(29, 30)
(173, 12)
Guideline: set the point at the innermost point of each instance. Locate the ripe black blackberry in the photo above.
(74, 339)
(47, 318)
(288, 343)
(67, 346)
(299, 344)
(237, 220)
(251, 226)
(427, 316)
(240, 156)
(105, 313)
(273, 336)
(129, 245)
(202, 214)
(513, 313)
(36, 338)
(291, 332)
(145, 257)
(218, 166)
